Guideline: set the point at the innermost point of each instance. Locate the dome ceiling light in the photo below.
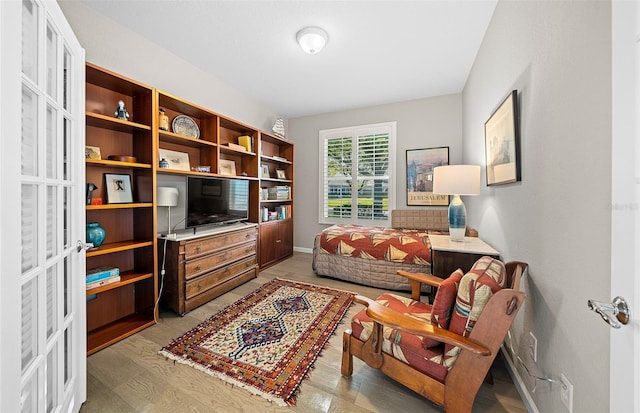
(312, 39)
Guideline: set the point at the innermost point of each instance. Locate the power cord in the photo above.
(162, 272)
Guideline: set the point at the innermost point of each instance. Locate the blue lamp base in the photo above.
(457, 219)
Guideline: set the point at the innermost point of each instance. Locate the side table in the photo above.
(447, 256)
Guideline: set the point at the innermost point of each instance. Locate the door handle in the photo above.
(615, 313)
(83, 245)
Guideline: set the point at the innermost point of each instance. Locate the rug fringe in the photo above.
(271, 398)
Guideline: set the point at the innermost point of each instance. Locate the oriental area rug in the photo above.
(267, 341)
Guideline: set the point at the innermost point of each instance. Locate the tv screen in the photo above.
(216, 201)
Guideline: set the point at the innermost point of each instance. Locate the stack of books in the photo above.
(283, 211)
(279, 192)
(100, 276)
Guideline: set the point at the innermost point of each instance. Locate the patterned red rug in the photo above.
(267, 341)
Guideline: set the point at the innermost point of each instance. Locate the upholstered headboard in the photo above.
(435, 219)
(431, 219)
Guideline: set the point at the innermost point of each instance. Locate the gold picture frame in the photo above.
(227, 167)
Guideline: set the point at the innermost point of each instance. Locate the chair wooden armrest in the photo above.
(391, 318)
(416, 279)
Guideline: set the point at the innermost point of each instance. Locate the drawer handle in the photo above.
(198, 268)
(198, 248)
(278, 241)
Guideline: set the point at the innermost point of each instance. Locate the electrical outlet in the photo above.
(566, 393)
(533, 347)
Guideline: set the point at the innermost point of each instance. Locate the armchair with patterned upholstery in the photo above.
(442, 351)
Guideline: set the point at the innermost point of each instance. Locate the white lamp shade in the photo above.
(456, 180)
(167, 196)
(312, 39)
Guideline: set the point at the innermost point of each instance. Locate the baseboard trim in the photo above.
(519, 383)
(305, 250)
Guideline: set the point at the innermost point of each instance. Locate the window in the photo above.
(357, 174)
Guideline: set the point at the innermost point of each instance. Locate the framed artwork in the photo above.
(280, 174)
(92, 152)
(502, 142)
(227, 167)
(176, 160)
(420, 164)
(265, 172)
(118, 188)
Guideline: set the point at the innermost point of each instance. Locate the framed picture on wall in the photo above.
(420, 164)
(502, 142)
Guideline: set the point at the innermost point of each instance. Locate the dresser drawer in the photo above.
(206, 263)
(206, 282)
(202, 246)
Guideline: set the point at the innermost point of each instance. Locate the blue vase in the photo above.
(95, 234)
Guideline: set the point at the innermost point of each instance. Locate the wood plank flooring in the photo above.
(130, 376)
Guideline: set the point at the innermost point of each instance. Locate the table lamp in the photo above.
(168, 197)
(457, 180)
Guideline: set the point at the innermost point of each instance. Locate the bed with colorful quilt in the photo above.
(372, 255)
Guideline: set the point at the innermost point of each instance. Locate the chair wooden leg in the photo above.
(347, 359)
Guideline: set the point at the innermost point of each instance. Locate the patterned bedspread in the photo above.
(377, 243)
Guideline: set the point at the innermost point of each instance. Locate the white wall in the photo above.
(423, 123)
(114, 47)
(558, 55)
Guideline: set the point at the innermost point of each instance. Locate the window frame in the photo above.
(354, 132)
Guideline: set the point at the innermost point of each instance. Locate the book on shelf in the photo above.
(246, 141)
(278, 192)
(105, 281)
(100, 273)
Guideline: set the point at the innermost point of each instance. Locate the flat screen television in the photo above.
(214, 200)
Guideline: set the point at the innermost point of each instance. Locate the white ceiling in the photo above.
(378, 51)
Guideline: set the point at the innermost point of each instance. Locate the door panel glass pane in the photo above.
(29, 227)
(52, 300)
(68, 348)
(66, 84)
(29, 155)
(52, 221)
(66, 218)
(52, 67)
(29, 322)
(52, 139)
(66, 280)
(51, 376)
(30, 40)
(66, 139)
(29, 395)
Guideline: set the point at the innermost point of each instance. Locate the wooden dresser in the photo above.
(199, 268)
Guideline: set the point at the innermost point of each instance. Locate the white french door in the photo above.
(42, 297)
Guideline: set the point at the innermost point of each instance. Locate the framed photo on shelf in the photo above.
(502, 142)
(420, 164)
(118, 188)
(227, 167)
(280, 174)
(176, 160)
(265, 172)
(92, 152)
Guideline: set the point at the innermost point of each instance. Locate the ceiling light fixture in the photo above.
(312, 39)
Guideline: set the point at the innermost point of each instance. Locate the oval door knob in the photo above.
(615, 313)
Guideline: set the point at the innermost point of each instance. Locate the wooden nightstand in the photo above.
(447, 256)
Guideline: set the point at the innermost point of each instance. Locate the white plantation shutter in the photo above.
(356, 176)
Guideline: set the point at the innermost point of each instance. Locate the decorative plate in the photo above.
(184, 125)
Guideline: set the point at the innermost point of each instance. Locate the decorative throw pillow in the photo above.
(443, 305)
(487, 276)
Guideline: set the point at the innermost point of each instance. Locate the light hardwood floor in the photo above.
(130, 376)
